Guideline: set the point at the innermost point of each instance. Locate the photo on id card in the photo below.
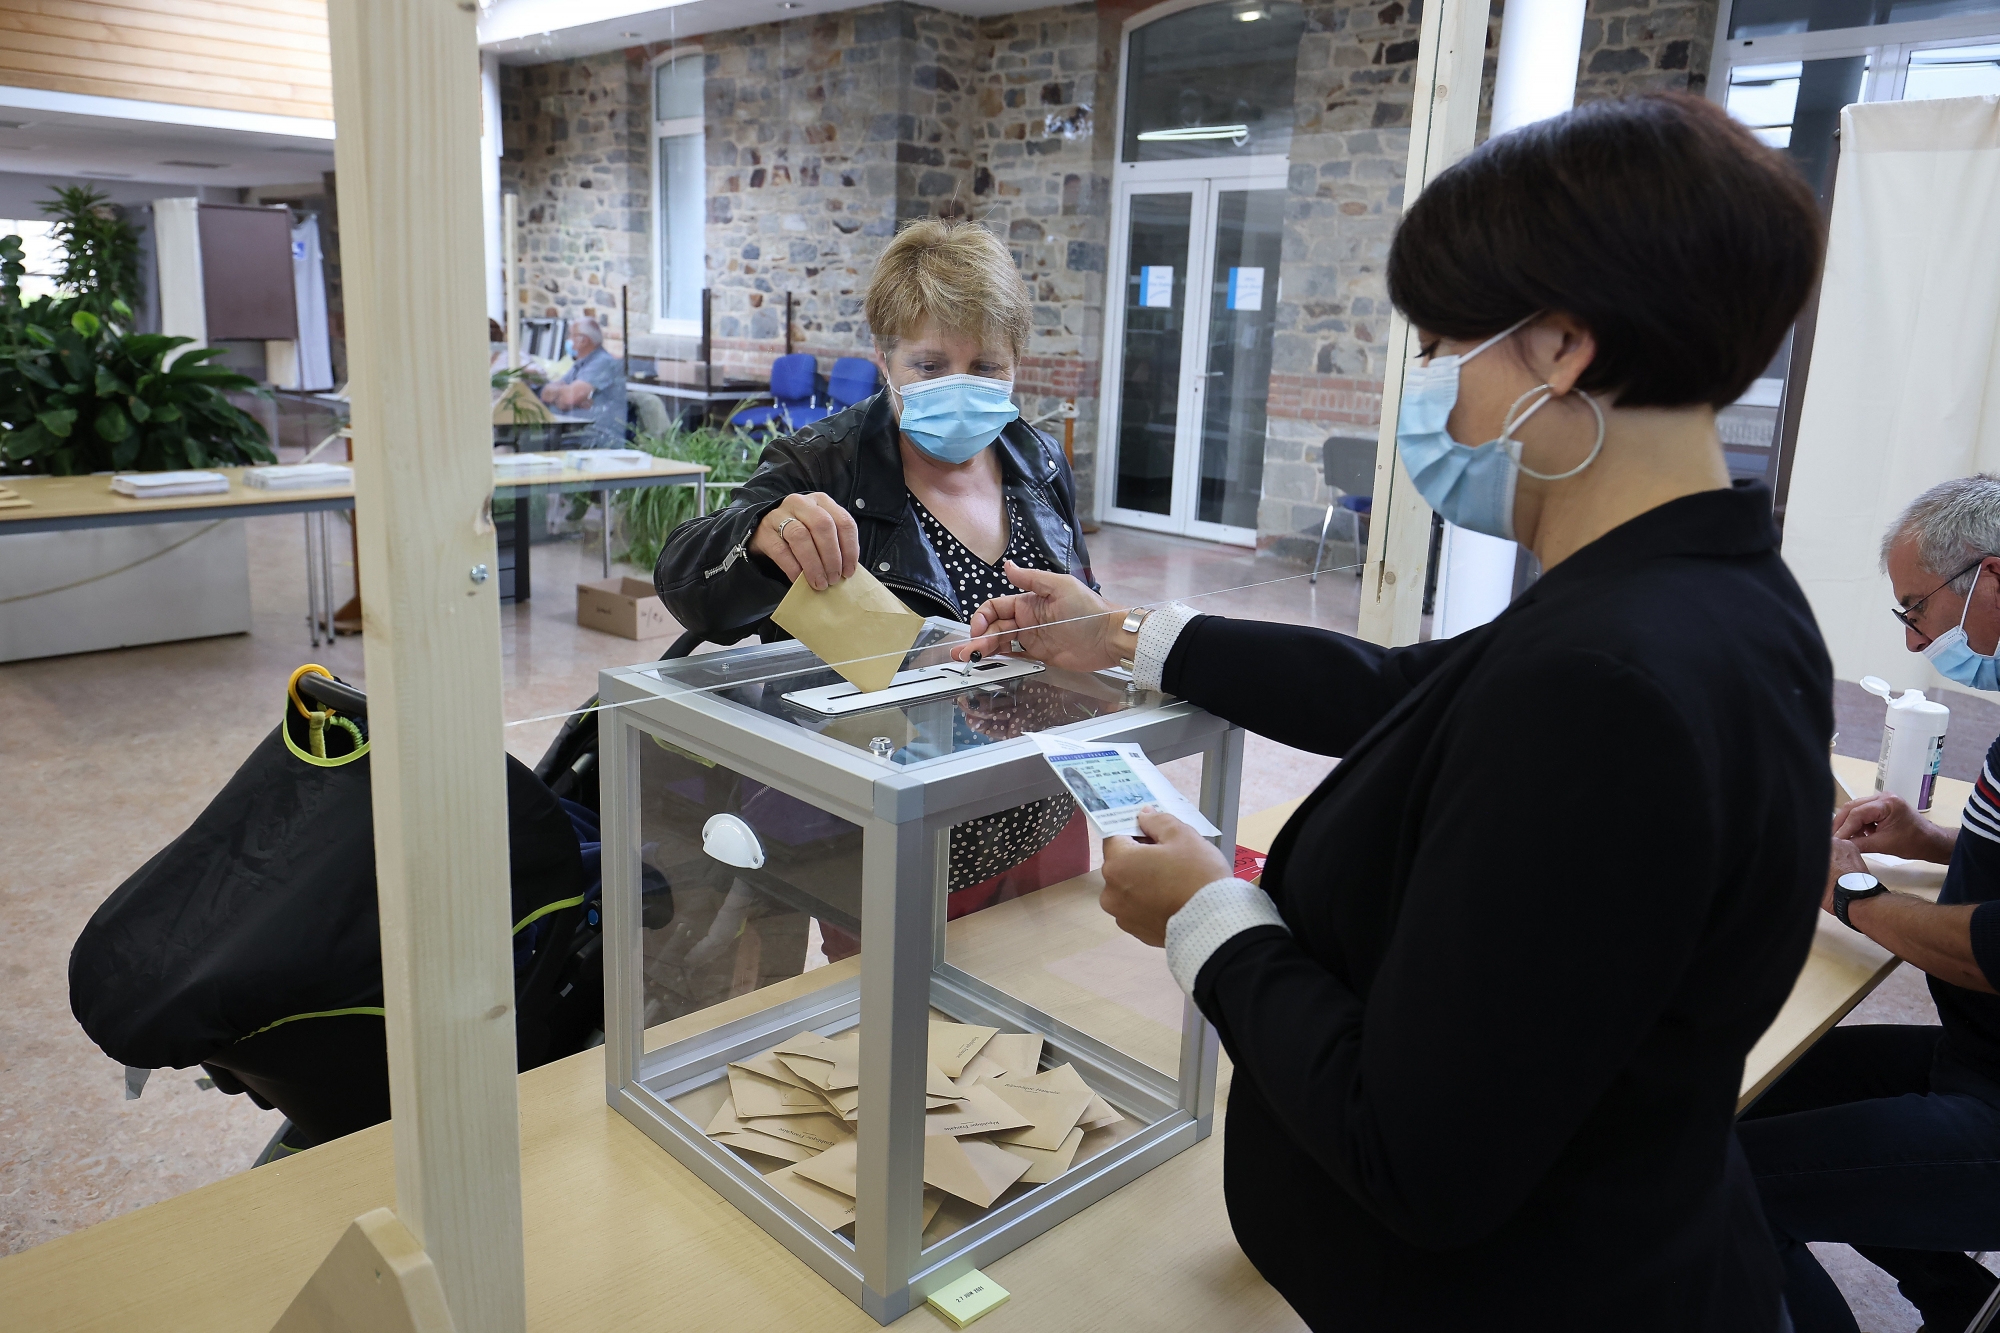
(1111, 781)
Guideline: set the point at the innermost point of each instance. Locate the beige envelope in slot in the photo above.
(971, 1169)
(978, 1112)
(828, 1207)
(1019, 1053)
(1046, 1166)
(1053, 1107)
(1099, 1114)
(756, 1095)
(952, 1044)
(857, 627)
(770, 1066)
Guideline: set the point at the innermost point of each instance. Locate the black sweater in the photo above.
(1561, 882)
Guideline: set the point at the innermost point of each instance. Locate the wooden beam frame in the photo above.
(407, 96)
(1451, 59)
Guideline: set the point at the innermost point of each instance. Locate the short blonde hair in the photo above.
(956, 274)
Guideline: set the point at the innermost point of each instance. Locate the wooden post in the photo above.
(510, 216)
(1451, 56)
(407, 97)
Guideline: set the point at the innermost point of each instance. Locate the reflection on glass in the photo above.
(1150, 384)
(1795, 105)
(1955, 71)
(712, 929)
(1215, 81)
(1764, 97)
(1768, 18)
(1243, 312)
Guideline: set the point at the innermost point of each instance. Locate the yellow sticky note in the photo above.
(968, 1298)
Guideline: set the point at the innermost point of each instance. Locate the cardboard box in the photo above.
(628, 608)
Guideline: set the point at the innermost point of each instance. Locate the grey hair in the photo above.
(589, 328)
(1953, 523)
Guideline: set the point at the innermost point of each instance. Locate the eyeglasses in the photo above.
(1907, 615)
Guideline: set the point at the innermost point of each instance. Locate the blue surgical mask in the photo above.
(955, 416)
(1470, 485)
(1952, 655)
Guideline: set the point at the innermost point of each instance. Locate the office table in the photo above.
(1843, 967)
(620, 1235)
(59, 503)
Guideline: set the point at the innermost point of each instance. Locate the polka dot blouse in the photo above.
(984, 847)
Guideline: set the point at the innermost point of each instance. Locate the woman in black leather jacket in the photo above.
(934, 512)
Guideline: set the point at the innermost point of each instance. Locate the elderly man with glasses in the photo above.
(1887, 1136)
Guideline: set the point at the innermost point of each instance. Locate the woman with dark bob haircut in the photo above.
(1489, 1009)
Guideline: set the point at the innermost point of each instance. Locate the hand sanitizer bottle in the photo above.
(1912, 743)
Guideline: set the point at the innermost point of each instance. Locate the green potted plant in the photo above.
(80, 392)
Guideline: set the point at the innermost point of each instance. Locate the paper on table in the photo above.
(1046, 1166)
(1019, 1053)
(1110, 781)
(857, 627)
(828, 1207)
(952, 1044)
(1053, 1104)
(978, 1112)
(756, 1095)
(975, 1171)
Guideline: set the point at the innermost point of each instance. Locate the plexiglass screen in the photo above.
(1242, 315)
(1155, 323)
(1215, 81)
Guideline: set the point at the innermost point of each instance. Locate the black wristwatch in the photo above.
(1849, 887)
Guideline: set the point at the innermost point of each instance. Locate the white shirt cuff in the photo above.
(1210, 919)
(1156, 639)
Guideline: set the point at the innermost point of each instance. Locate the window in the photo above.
(1952, 71)
(44, 257)
(1215, 81)
(680, 192)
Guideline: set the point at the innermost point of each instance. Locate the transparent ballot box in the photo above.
(857, 978)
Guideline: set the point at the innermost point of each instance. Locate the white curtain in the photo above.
(315, 360)
(1904, 390)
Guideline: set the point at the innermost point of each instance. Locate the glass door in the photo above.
(1186, 387)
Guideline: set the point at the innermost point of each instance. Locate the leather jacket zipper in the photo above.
(736, 552)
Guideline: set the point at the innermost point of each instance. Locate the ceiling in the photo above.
(530, 32)
(45, 142)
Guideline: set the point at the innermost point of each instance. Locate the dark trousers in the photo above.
(1854, 1145)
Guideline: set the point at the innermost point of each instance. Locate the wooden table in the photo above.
(619, 1235)
(1843, 967)
(59, 503)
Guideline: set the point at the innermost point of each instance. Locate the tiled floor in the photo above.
(108, 756)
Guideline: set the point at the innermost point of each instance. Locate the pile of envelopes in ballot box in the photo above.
(993, 1117)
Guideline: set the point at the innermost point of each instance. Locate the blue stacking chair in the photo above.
(794, 390)
(853, 378)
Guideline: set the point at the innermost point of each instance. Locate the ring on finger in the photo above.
(785, 523)
(1014, 646)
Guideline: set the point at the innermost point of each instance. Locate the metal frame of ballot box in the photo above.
(905, 813)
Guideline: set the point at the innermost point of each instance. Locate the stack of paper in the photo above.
(993, 1117)
(11, 499)
(606, 460)
(515, 464)
(148, 485)
(299, 476)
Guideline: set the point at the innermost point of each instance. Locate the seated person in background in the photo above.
(1886, 1136)
(594, 387)
(933, 483)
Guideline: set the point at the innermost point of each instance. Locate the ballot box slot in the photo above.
(913, 686)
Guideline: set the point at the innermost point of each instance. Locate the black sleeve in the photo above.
(707, 576)
(1310, 689)
(1535, 947)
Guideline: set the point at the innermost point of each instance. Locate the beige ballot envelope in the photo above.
(857, 627)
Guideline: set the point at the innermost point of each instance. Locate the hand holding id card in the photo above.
(1111, 781)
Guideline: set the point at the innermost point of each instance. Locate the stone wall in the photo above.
(1350, 149)
(576, 139)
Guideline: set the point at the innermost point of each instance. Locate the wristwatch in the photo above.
(1133, 620)
(1855, 884)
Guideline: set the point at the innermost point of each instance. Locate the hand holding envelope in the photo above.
(857, 627)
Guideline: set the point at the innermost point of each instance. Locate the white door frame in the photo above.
(1888, 44)
(1202, 179)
